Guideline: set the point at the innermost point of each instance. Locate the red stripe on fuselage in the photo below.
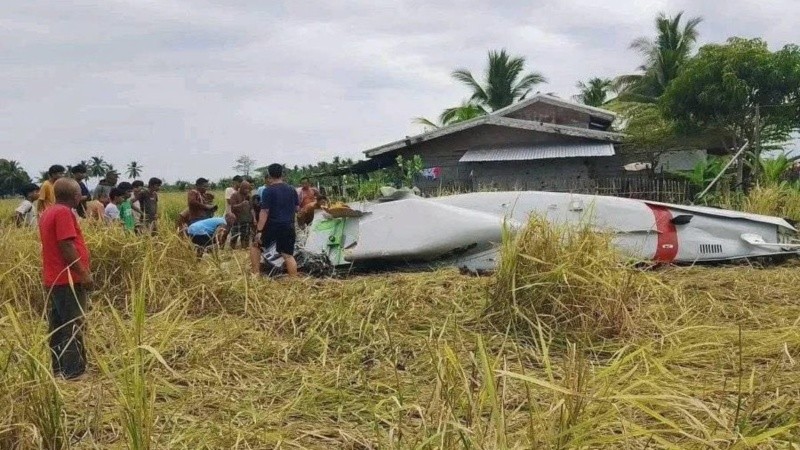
(667, 246)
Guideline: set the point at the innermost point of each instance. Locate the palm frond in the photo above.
(530, 80)
(425, 122)
(642, 45)
(461, 113)
(465, 76)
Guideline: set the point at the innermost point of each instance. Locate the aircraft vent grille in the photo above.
(710, 249)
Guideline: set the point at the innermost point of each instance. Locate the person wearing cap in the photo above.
(25, 214)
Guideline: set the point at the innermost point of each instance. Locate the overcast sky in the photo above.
(184, 86)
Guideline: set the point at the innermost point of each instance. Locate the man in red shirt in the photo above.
(67, 278)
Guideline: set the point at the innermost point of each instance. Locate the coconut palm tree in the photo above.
(664, 58)
(134, 169)
(594, 92)
(505, 81)
(97, 167)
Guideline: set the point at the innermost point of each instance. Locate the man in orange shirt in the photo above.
(199, 203)
(67, 278)
(47, 196)
(306, 192)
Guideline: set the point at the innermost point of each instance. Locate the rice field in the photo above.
(565, 347)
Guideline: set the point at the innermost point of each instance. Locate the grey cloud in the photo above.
(183, 86)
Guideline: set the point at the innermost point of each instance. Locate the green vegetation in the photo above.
(12, 178)
(188, 353)
(409, 169)
(595, 92)
(664, 58)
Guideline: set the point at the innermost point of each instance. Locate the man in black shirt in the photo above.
(279, 203)
(79, 174)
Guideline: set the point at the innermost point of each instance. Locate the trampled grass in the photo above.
(195, 354)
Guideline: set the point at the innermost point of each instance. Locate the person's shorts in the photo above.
(202, 240)
(243, 229)
(282, 236)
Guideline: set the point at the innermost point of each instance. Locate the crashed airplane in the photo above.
(405, 230)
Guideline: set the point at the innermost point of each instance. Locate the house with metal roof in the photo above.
(541, 143)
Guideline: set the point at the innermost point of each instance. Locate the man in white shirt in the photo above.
(230, 190)
(112, 208)
(26, 212)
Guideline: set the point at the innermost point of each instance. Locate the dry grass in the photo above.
(570, 280)
(193, 354)
(782, 200)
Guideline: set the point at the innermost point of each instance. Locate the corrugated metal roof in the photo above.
(538, 151)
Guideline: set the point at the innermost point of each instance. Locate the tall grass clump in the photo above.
(29, 392)
(567, 279)
(782, 200)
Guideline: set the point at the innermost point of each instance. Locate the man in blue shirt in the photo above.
(279, 204)
(210, 232)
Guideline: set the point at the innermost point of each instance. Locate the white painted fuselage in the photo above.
(465, 230)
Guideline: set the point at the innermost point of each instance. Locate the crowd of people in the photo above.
(254, 221)
(133, 206)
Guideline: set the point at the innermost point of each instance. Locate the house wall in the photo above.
(677, 161)
(666, 161)
(445, 152)
(543, 112)
(555, 174)
(543, 174)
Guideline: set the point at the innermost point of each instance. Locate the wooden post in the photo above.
(757, 139)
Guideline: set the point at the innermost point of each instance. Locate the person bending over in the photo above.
(209, 233)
